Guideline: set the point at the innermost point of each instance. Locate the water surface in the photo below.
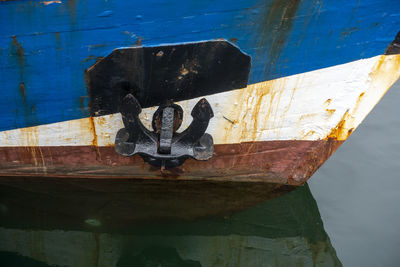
(358, 189)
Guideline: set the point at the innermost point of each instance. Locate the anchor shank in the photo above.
(166, 132)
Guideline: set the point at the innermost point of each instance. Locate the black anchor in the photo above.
(164, 147)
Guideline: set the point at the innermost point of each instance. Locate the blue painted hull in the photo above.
(46, 46)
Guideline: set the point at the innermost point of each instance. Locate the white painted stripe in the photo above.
(307, 106)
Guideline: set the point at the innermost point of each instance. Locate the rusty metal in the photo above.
(164, 147)
(281, 162)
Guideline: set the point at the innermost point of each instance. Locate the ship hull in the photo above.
(314, 77)
(278, 131)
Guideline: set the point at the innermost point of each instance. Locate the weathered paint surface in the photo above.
(277, 131)
(280, 162)
(326, 103)
(282, 127)
(46, 45)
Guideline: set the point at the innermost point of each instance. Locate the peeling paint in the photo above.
(276, 131)
(257, 26)
(340, 132)
(284, 109)
(46, 3)
(381, 77)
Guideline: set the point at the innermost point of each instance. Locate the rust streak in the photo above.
(275, 26)
(58, 40)
(309, 133)
(340, 132)
(42, 158)
(331, 111)
(96, 46)
(348, 31)
(138, 41)
(72, 10)
(94, 142)
(233, 40)
(384, 70)
(31, 137)
(19, 51)
(88, 58)
(22, 91)
(328, 101)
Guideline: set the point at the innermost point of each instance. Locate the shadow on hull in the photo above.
(115, 204)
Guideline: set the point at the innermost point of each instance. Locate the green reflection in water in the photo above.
(286, 231)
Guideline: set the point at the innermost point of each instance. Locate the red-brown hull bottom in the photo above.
(71, 184)
(283, 162)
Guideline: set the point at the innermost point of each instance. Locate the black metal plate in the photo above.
(170, 72)
(394, 47)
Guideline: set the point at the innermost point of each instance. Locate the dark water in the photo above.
(286, 231)
(348, 215)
